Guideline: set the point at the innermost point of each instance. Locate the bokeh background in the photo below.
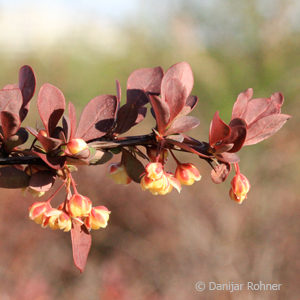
(159, 247)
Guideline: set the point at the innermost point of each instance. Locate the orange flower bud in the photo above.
(187, 174)
(76, 145)
(155, 186)
(154, 170)
(98, 218)
(79, 206)
(37, 211)
(43, 133)
(118, 173)
(240, 186)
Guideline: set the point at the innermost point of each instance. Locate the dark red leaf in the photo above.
(218, 131)
(147, 80)
(137, 97)
(142, 111)
(264, 128)
(126, 118)
(10, 123)
(48, 143)
(97, 117)
(81, 244)
(161, 111)
(182, 124)
(27, 86)
(238, 134)
(220, 173)
(42, 181)
(241, 103)
(12, 178)
(15, 140)
(51, 106)
(54, 162)
(133, 166)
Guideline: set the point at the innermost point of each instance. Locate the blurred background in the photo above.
(159, 247)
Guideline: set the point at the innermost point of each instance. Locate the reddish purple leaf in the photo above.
(255, 108)
(119, 92)
(183, 73)
(142, 111)
(10, 123)
(176, 86)
(51, 106)
(137, 97)
(97, 117)
(11, 100)
(12, 178)
(161, 111)
(190, 104)
(182, 124)
(228, 157)
(220, 173)
(264, 128)
(48, 143)
(81, 244)
(42, 181)
(54, 162)
(147, 80)
(238, 134)
(15, 140)
(27, 86)
(218, 131)
(240, 105)
(72, 121)
(126, 118)
(133, 166)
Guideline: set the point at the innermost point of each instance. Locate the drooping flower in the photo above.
(37, 211)
(97, 218)
(79, 206)
(187, 173)
(240, 187)
(118, 173)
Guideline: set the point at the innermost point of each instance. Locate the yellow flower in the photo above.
(240, 187)
(79, 206)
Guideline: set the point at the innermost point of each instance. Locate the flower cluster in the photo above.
(78, 208)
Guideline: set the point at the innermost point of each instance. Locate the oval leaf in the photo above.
(81, 244)
(27, 84)
(97, 117)
(51, 106)
(41, 181)
(182, 124)
(264, 128)
(10, 123)
(162, 113)
(133, 166)
(240, 105)
(12, 178)
(146, 79)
